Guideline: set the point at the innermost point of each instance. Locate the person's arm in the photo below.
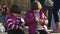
(22, 27)
(28, 19)
(10, 23)
(45, 20)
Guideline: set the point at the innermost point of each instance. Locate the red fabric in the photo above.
(43, 17)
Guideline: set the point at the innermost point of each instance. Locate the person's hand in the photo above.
(39, 21)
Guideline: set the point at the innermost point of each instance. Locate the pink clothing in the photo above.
(30, 20)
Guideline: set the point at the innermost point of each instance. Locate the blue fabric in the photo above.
(3, 18)
(37, 15)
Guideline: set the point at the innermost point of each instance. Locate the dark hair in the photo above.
(15, 9)
(34, 6)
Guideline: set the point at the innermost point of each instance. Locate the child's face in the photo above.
(39, 6)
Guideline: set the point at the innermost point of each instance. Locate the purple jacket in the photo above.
(30, 20)
(12, 22)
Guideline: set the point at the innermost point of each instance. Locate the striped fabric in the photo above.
(13, 22)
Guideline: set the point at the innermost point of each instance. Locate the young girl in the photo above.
(35, 17)
(14, 23)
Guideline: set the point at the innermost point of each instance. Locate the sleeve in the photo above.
(11, 24)
(45, 20)
(28, 19)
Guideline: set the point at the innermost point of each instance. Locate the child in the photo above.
(35, 17)
(14, 23)
(5, 11)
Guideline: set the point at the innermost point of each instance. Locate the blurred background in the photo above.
(24, 6)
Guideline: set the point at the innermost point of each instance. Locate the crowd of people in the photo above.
(38, 18)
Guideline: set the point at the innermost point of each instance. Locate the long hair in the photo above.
(36, 5)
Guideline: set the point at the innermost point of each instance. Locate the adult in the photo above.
(48, 9)
(56, 8)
